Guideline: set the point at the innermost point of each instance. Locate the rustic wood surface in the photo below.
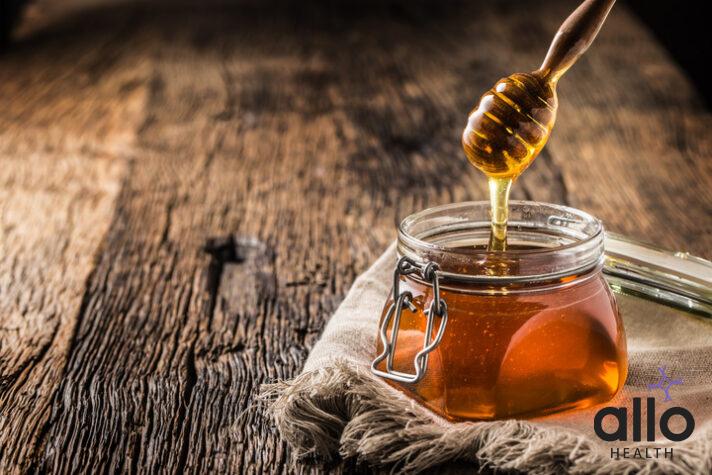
(186, 194)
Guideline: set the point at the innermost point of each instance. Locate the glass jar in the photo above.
(523, 332)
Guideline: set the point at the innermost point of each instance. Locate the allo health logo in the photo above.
(617, 418)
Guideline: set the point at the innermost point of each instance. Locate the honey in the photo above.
(517, 353)
(523, 332)
(513, 120)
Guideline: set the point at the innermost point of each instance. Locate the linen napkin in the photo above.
(337, 408)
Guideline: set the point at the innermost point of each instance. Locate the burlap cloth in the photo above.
(336, 407)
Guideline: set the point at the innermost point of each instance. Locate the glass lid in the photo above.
(673, 278)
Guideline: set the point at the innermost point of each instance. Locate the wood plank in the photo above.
(268, 155)
(64, 144)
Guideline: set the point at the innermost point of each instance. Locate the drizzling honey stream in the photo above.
(513, 120)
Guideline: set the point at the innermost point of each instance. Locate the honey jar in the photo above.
(478, 335)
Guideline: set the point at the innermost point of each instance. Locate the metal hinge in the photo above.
(438, 309)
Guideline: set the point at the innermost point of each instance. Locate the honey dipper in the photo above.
(513, 120)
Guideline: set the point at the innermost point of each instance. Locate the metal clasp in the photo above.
(438, 308)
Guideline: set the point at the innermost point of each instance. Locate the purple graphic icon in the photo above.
(665, 383)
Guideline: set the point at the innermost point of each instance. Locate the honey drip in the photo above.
(513, 120)
(499, 202)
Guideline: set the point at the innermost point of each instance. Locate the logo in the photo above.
(665, 383)
(618, 417)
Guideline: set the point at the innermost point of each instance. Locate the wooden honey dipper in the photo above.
(513, 120)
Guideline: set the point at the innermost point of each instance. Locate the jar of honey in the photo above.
(479, 335)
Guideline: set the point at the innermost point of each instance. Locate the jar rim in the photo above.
(568, 241)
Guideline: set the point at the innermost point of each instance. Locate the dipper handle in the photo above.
(574, 37)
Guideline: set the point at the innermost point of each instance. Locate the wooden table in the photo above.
(186, 194)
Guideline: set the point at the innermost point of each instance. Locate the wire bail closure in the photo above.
(428, 272)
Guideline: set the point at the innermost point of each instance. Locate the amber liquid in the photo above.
(504, 134)
(517, 353)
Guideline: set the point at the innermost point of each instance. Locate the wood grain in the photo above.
(188, 192)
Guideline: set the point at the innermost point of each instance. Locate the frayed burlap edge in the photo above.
(340, 410)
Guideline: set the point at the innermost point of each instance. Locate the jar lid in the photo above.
(674, 278)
